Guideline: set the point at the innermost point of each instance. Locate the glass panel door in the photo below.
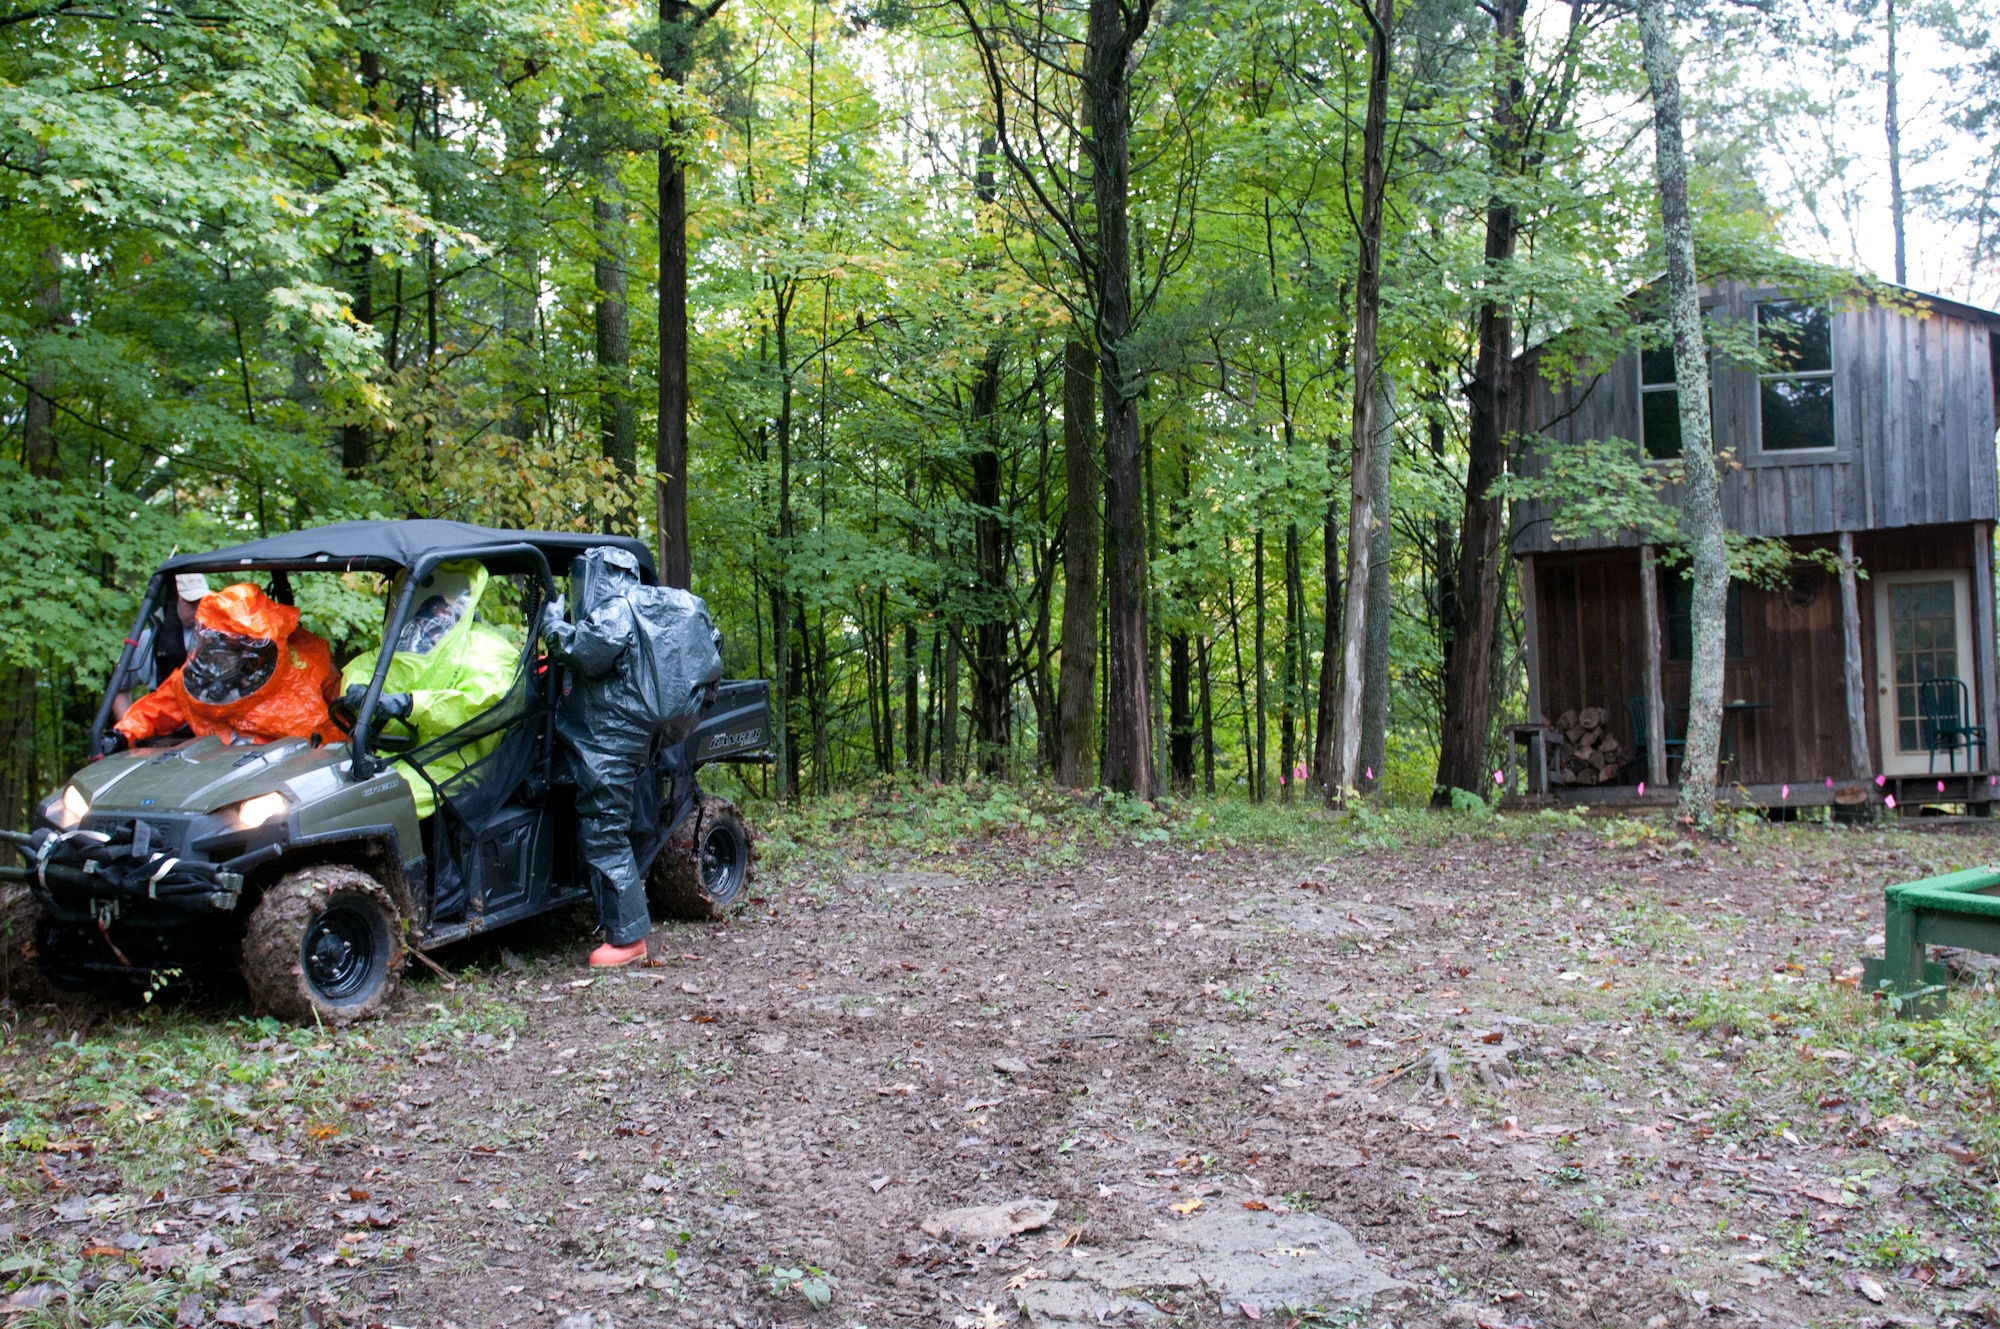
(1923, 630)
(1923, 627)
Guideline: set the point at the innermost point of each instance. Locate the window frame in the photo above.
(1828, 375)
(1639, 353)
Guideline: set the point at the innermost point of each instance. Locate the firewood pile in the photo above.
(1590, 753)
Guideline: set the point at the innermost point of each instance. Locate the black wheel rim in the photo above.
(721, 863)
(338, 954)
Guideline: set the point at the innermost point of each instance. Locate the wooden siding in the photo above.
(1913, 420)
(1592, 653)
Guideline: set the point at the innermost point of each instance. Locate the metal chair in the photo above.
(1676, 748)
(1942, 706)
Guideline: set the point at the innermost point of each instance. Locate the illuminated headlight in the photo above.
(254, 812)
(68, 810)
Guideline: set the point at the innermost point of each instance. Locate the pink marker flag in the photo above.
(1940, 786)
(1642, 788)
(1829, 782)
(1784, 792)
(1371, 772)
(1499, 778)
(1890, 800)
(1881, 780)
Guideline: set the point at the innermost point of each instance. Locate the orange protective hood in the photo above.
(292, 704)
(246, 611)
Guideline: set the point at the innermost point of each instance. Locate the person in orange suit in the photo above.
(252, 673)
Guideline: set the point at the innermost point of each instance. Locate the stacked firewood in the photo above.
(1590, 754)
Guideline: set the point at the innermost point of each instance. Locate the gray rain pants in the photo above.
(604, 783)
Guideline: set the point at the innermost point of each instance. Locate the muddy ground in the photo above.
(1637, 1115)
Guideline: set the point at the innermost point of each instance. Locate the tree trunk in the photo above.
(354, 434)
(1893, 130)
(1701, 508)
(1180, 718)
(1470, 610)
(1076, 682)
(20, 685)
(910, 755)
(1361, 514)
(614, 330)
(992, 680)
(1108, 44)
(1207, 720)
(1375, 646)
(1259, 777)
(679, 23)
(1326, 722)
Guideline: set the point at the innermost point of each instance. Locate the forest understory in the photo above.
(1545, 1070)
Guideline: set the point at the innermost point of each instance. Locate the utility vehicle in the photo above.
(303, 865)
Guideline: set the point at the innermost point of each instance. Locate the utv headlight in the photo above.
(254, 812)
(68, 810)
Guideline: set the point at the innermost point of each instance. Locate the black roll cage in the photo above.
(362, 762)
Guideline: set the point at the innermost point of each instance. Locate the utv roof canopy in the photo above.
(388, 546)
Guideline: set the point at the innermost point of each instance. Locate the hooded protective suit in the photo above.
(452, 666)
(252, 672)
(644, 661)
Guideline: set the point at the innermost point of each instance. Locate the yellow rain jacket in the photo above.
(453, 666)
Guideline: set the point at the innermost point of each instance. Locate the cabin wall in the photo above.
(1591, 652)
(1913, 420)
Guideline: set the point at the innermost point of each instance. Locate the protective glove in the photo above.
(350, 700)
(552, 616)
(115, 742)
(395, 706)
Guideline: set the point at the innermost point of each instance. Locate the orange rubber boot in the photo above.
(608, 956)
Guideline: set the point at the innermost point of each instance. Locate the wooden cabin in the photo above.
(1877, 441)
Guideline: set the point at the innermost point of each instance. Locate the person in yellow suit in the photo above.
(448, 667)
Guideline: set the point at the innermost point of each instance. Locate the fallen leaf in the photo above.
(1250, 1310)
(1827, 1193)
(653, 1181)
(889, 1089)
(1258, 1205)
(499, 1202)
(89, 1251)
(877, 1184)
(692, 989)
(1186, 1207)
(1025, 1277)
(1896, 1123)
(1869, 1288)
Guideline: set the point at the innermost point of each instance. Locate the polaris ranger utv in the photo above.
(303, 865)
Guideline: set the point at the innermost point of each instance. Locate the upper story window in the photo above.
(1659, 404)
(1796, 390)
(1660, 399)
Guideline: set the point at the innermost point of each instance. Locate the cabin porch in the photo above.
(1807, 721)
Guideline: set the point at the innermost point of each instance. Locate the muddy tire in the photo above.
(325, 944)
(708, 881)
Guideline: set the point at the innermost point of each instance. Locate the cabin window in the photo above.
(1796, 389)
(1679, 596)
(1660, 400)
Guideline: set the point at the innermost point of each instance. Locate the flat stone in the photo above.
(1269, 1261)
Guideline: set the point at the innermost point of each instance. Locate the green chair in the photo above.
(1943, 725)
(1676, 748)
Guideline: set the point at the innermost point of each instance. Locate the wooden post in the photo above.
(1987, 703)
(1656, 706)
(1860, 767)
(1531, 638)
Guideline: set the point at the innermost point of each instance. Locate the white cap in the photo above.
(191, 585)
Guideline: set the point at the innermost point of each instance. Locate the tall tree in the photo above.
(680, 23)
(1370, 394)
(1701, 506)
(1076, 683)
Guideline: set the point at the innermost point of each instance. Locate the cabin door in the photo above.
(1923, 630)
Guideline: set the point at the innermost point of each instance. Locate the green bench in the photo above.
(1958, 909)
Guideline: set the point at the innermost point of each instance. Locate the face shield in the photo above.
(598, 574)
(223, 667)
(443, 598)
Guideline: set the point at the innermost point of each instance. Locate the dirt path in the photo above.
(766, 1118)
